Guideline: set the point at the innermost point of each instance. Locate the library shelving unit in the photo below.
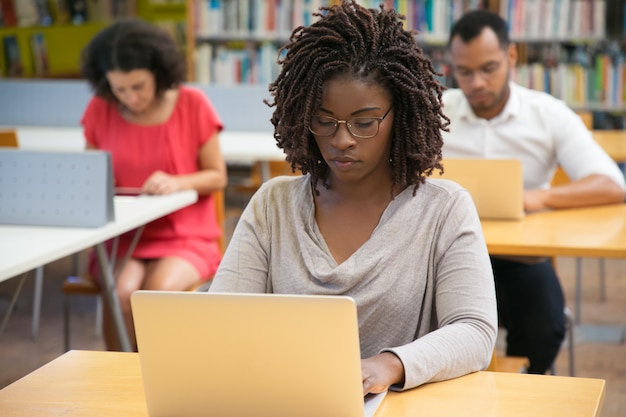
(44, 51)
(232, 42)
(564, 51)
(46, 42)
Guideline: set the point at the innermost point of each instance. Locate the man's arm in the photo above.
(589, 191)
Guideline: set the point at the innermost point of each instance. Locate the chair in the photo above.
(83, 284)
(512, 364)
(8, 138)
(262, 171)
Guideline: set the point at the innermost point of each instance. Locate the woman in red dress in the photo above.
(163, 137)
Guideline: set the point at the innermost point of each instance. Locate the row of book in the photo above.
(529, 20)
(13, 63)
(585, 76)
(555, 19)
(227, 66)
(582, 76)
(47, 12)
(600, 87)
(277, 18)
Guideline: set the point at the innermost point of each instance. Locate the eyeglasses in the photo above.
(486, 72)
(359, 127)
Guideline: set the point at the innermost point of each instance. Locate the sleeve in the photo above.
(89, 121)
(245, 265)
(576, 151)
(207, 119)
(464, 305)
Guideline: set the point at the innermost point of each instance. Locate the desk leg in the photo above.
(5, 320)
(108, 281)
(578, 290)
(34, 327)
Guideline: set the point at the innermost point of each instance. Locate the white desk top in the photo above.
(23, 248)
(237, 147)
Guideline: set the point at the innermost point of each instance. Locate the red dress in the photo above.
(173, 147)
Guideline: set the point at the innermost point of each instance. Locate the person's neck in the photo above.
(361, 192)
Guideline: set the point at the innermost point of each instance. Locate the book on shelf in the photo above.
(9, 15)
(123, 8)
(44, 16)
(555, 19)
(78, 11)
(39, 50)
(223, 65)
(98, 10)
(175, 29)
(581, 75)
(26, 13)
(12, 56)
(59, 10)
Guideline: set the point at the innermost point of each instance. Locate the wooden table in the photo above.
(586, 232)
(598, 232)
(87, 383)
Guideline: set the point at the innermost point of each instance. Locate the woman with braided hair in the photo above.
(358, 111)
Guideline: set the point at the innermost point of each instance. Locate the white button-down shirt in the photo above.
(533, 127)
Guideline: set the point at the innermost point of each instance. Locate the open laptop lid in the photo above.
(496, 185)
(248, 354)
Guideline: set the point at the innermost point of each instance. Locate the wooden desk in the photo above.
(23, 248)
(586, 232)
(613, 142)
(582, 232)
(83, 383)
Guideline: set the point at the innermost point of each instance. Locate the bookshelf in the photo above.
(572, 49)
(237, 41)
(44, 38)
(562, 44)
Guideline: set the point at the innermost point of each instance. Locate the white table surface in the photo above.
(23, 248)
(237, 147)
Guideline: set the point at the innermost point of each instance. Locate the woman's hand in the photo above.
(160, 183)
(380, 372)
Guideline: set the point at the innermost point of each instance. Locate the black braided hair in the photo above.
(370, 45)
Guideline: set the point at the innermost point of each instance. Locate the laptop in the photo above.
(240, 355)
(496, 185)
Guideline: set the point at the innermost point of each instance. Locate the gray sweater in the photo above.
(422, 283)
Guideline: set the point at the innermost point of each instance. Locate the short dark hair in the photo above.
(129, 44)
(471, 24)
(371, 45)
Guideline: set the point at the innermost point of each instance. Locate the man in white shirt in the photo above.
(492, 117)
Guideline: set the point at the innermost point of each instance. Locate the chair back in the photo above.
(220, 215)
(8, 138)
(559, 178)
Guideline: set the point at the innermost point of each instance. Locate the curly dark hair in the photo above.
(471, 24)
(370, 45)
(129, 44)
